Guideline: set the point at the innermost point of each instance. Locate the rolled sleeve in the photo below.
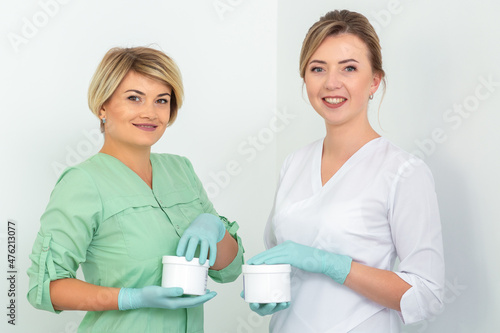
(422, 301)
(416, 232)
(233, 270)
(66, 230)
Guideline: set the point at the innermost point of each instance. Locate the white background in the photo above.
(239, 61)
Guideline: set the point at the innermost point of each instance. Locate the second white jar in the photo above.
(266, 283)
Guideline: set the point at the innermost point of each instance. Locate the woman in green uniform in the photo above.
(120, 211)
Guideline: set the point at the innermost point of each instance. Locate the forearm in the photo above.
(227, 249)
(74, 294)
(383, 287)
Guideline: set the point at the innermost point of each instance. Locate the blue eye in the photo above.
(350, 69)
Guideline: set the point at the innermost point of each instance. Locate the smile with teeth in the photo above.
(146, 126)
(336, 100)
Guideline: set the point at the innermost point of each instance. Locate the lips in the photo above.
(146, 127)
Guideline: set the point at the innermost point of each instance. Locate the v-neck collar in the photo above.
(316, 164)
(135, 175)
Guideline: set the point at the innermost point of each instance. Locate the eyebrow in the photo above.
(348, 60)
(317, 62)
(143, 94)
(340, 62)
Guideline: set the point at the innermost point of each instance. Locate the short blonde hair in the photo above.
(144, 60)
(342, 22)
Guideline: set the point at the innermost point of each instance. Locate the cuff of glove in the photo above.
(337, 267)
(126, 299)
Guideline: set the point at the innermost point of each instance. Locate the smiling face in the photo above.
(339, 80)
(136, 114)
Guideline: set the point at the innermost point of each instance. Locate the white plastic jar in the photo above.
(266, 283)
(188, 275)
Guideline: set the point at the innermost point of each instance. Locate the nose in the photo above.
(148, 111)
(332, 81)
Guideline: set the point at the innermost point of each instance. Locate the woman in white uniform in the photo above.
(351, 203)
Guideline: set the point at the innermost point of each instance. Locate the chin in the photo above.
(145, 144)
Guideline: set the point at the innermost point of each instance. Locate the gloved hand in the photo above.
(264, 309)
(206, 230)
(159, 297)
(307, 258)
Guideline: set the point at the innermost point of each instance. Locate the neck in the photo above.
(137, 159)
(343, 141)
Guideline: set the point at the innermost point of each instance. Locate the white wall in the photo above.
(239, 61)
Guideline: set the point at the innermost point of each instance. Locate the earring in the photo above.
(103, 120)
(371, 96)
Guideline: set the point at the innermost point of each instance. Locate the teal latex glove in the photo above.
(264, 309)
(159, 297)
(306, 258)
(206, 231)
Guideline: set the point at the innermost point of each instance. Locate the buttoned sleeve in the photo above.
(66, 230)
(416, 231)
(233, 270)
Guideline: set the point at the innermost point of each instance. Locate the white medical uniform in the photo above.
(381, 204)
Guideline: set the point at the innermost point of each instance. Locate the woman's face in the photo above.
(137, 113)
(339, 80)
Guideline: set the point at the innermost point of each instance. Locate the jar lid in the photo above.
(183, 261)
(279, 268)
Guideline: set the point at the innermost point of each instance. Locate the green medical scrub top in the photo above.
(104, 217)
